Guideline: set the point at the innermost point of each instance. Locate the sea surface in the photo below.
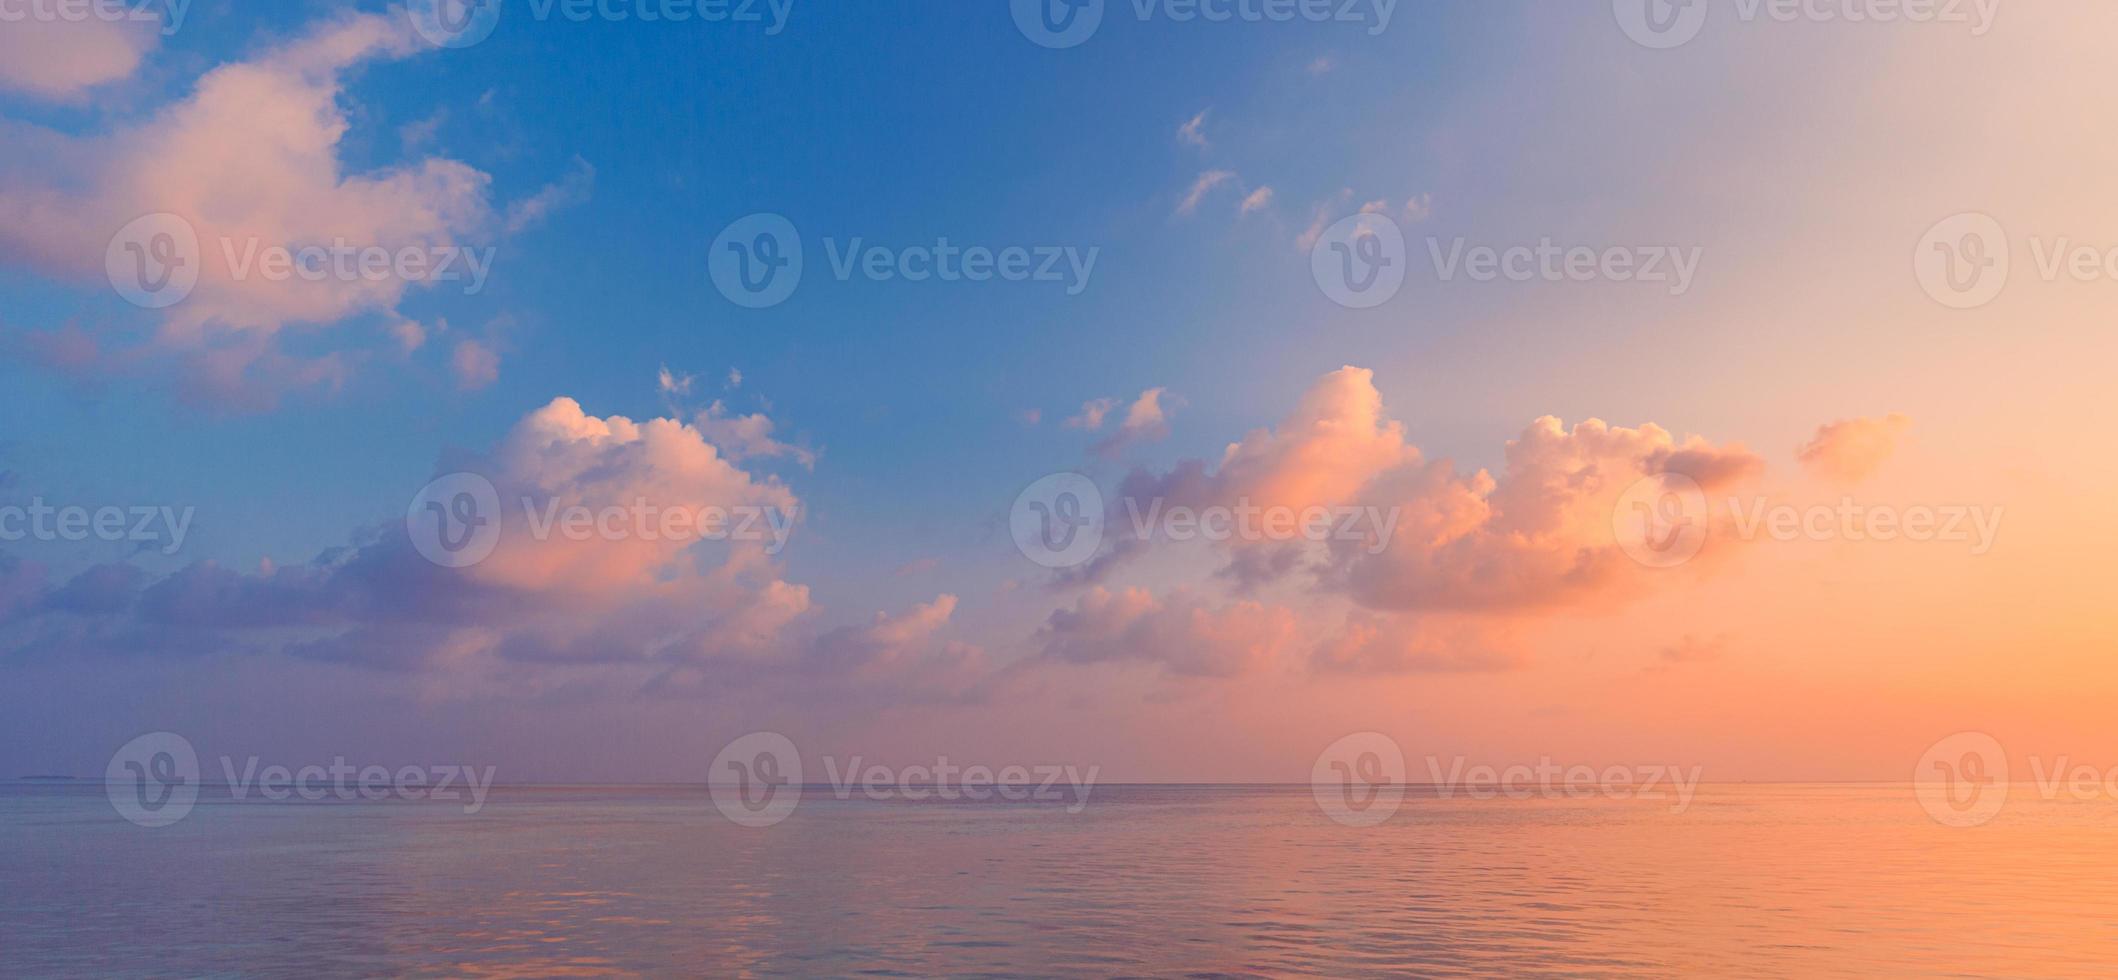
(1751, 880)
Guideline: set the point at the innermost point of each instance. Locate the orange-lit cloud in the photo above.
(1849, 450)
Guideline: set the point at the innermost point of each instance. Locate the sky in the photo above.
(1727, 279)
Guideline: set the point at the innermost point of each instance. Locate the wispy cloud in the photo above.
(1201, 187)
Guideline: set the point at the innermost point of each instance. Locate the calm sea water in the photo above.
(1751, 880)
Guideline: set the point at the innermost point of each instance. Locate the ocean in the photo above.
(1748, 880)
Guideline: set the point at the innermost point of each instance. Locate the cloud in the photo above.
(476, 365)
(1258, 200)
(1850, 450)
(61, 60)
(747, 436)
(1323, 65)
(1368, 643)
(543, 614)
(1092, 414)
(1146, 420)
(572, 189)
(421, 132)
(1417, 208)
(1201, 187)
(1321, 218)
(1193, 131)
(249, 159)
(1431, 538)
(1181, 633)
(670, 383)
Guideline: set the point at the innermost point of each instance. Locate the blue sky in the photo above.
(600, 159)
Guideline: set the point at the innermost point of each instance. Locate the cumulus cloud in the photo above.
(1429, 537)
(545, 610)
(1850, 450)
(249, 159)
(61, 59)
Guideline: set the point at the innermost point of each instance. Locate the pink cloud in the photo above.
(1146, 420)
(1182, 632)
(476, 364)
(249, 161)
(61, 60)
(1850, 450)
